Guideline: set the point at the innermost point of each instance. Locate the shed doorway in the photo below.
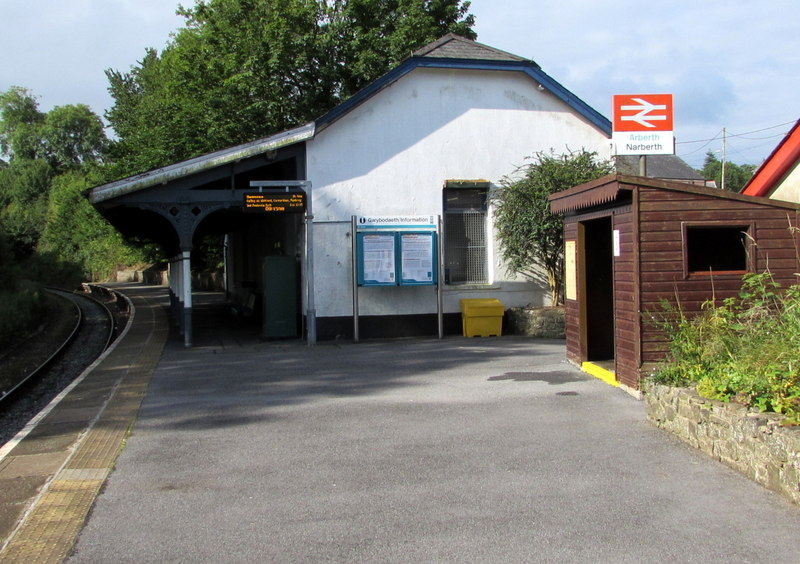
(597, 283)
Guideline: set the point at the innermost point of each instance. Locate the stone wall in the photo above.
(545, 322)
(755, 444)
(150, 277)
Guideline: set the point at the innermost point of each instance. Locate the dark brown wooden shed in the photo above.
(632, 241)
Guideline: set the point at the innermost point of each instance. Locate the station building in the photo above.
(303, 213)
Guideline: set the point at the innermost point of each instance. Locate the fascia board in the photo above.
(198, 164)
(529, 68)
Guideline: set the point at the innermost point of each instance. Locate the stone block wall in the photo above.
(149, 277)
(755, 444)
(544, 322)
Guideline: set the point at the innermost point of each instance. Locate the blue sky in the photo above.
(729, 64)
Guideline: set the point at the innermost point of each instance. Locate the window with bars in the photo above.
(465, 257)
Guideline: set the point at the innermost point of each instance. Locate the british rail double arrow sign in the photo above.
(643, 124)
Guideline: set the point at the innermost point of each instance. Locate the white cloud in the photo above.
(60, 50)
(729, 64)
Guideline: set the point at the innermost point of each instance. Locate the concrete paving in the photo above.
(461, 450)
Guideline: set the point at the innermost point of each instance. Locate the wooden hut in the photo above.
(631, 242)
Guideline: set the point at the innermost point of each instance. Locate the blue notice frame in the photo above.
(414, 261)
(380, 268)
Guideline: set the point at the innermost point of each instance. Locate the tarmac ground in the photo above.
(424, 450)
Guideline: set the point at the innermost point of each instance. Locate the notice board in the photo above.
(377, 264)
(418, 258)
(382, 255)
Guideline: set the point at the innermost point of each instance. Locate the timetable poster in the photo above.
(378, 258)
(417, 258)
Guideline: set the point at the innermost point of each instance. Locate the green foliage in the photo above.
(75, 233)
(24, 186)
(746, 349)
(73, 136)
(21, 310)
(49, 270)
(8, 270)
(20, 121)
(532, 238)
(22, 304)
(736, 176)
(66, 137)
(244, 69)
(45, 221)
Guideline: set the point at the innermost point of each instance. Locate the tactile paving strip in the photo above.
(54, 518)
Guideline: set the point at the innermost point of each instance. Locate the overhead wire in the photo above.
(728, 135)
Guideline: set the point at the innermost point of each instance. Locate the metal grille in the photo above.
(465, 247)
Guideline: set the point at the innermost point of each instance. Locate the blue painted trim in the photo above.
(528, 67)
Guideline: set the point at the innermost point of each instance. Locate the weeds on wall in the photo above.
(746, 349)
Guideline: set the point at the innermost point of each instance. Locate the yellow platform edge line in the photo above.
(601, 373)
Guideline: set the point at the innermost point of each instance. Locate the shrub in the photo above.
(747, 349)
(23, 303)
(21, 311)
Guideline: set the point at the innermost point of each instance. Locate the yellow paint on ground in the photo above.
(598, 372)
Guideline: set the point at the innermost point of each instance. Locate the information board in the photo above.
(570, 270)
(376, 259)
(418, 258)
(384, 254)
(283, 202)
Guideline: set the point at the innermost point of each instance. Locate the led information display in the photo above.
(258, 202)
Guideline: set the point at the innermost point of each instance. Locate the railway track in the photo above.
(98, 316)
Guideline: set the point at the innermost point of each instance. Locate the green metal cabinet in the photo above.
(280, 297)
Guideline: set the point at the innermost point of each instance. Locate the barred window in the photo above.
(465, 260)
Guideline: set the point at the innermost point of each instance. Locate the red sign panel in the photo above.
(642, 112)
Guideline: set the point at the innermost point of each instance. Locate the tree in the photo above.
(39, 147)
(24, 189)
(66, 137)
(76, 233)
(73, 136)
(532, 238)
(20, 122)
(736, 176)
(244, 69)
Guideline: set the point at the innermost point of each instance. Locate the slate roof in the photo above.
(453, 46)
(455, 52)
(449, 52)
(666, 167)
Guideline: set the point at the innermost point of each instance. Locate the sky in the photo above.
(730, 65)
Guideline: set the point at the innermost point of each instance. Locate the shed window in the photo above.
(716, 249)
(465, 256)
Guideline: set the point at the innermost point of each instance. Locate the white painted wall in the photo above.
(789, 188)
(392, 154)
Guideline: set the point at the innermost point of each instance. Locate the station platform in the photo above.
(49, 479)
(411, 450)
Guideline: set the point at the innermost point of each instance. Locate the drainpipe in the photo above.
(311, 313)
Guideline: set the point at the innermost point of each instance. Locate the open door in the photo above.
(597, 296)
